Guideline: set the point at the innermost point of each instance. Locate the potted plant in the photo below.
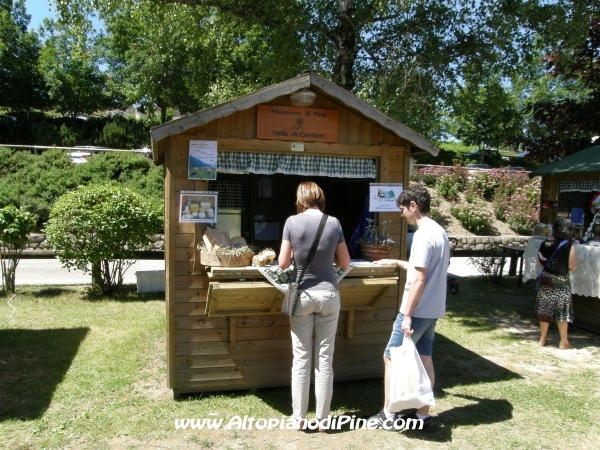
(376, 244)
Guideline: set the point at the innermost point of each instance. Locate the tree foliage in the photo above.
(15, 225)
(567, 115)
(403, 57)
(21, 83)
(485, 113)
(70, 60)
(99, 229)
(189, 58)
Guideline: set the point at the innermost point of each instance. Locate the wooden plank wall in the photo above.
(199, 354)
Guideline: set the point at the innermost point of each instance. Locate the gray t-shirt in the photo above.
(300, 230)
(431, 250)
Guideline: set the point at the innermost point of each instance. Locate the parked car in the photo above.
(489, 154)
(516, 168)
(83, 153)
(474, 168)
(79, 157)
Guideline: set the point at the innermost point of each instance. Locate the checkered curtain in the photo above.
(581, 186)
(266, 163)
(575, 194)
(569, 200)
(232, 193)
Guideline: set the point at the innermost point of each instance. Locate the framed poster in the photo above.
(198, 206)
(202, 161)
(382, 197)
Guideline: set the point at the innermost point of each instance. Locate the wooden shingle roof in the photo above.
(309, 80)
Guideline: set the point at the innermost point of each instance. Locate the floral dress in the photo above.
(553, 302)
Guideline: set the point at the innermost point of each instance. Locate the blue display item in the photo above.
(577, 216)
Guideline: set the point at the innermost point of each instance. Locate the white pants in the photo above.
(318, 310)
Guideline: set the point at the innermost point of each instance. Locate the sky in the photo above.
(38, 9)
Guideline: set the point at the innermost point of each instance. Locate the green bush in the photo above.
(447, 187)
(15, 225)
(452, 181)
(99, 229)
(45, 133)
(516, 202)
(473, 217)
(35, 182)
(68, 136)
(490, 266)
(429, 175)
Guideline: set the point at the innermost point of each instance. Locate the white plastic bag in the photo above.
(410, 386)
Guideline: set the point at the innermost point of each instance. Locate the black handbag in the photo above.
(548, 263)
(291, 296)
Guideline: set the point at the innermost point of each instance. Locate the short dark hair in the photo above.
(415, 193)
(561, 229)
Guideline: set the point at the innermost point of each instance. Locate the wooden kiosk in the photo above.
(571, 182)
(224, 330)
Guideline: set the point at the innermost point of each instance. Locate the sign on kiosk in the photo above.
(289, 123)
(382, 197)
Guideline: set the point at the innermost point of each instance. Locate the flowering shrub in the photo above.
(524, 210)
(485, 183)
(429, 175)
(517, 204)
(515, 198)
(474, 217)
(446, 186)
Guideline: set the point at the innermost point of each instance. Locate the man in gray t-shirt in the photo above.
(424, 297)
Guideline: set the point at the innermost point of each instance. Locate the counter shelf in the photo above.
(244, 291)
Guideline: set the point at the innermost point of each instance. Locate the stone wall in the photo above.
(472, 243)
(37, 241)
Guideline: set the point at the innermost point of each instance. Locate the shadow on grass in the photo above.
(47, 292)
(88, 293)
(33, 363)
(127, 294)
(455, 365)
(483, 411)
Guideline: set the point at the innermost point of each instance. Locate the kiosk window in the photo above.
(266, 231)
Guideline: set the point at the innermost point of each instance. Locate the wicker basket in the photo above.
(214, 260)
(374, 252)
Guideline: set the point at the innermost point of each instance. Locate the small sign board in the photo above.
(290, 123)
(198, 206)
(382, 197)
(202, 161)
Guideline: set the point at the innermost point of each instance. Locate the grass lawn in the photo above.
(89, 373)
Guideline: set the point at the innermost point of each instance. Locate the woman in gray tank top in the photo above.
(318, 305)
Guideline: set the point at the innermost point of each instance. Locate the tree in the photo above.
(22, 86)
(565, 102)
(70, 60)
(187, 58)
(485, 113)
(404, 57)
(99, 229)
(15, 225)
